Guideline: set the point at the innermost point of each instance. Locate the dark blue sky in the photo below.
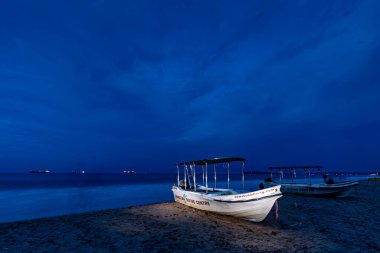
(105, 85)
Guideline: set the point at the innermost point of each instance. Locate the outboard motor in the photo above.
(325, 176)
(327, 179)
(268, 180)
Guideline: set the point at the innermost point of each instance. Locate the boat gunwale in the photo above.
(324, 185)
(249, 200)
(240, 197)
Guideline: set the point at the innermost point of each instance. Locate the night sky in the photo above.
(106, 85)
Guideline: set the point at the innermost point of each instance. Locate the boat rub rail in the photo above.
(254, 193)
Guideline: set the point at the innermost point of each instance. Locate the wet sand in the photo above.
(305, 224)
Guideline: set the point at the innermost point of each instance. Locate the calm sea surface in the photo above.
(28, 196)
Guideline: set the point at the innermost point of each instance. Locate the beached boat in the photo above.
(253, 206)
(39, 171)
(289, 184)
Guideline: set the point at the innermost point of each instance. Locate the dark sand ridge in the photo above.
(306, 224)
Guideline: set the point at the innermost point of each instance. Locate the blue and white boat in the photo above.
(252, 206)
(289, 183)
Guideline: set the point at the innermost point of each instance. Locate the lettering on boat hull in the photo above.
(192, 201)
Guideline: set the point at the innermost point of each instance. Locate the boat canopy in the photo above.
(318, 167)
(189, 171)
(291, 171)
(213, 161)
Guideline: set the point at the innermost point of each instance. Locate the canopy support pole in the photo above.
(206, 179)
(184, 175)
(214, 176)
(242, 170)
(305, 176)
(188, 177)
(228, 175)
(194, 177)
(294, 175)
(177, 175)
(203, 175)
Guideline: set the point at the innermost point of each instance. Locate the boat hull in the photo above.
(253, 206)
(322, 190)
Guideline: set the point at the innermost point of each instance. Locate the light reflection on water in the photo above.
(35, 203)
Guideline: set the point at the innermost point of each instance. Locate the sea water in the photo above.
(30, 196)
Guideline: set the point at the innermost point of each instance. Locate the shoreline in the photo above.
(305, 224)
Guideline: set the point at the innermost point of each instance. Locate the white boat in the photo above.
(326, 189)
(253, 206)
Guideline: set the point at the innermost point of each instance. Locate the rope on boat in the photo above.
(276, 207)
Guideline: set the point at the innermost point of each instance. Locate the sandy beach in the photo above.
(305, 224)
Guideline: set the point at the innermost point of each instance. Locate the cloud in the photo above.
(113, 82)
